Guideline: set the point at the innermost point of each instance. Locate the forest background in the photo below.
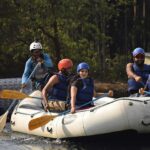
(102, 33)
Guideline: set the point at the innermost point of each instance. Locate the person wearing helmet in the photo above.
(56, 88)
(137, 71)
(42, 69)
(82, 88)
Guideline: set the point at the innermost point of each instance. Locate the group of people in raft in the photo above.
(62, 89)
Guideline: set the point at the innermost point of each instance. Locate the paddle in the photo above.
(39, 63)
(3, 118)
(13, 94)
(145, 86)
(147, 92)
(6, 94)
(41, 121)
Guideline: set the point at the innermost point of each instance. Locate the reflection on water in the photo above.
(125, 141)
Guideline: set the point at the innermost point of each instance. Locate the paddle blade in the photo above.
(3, 120)
(39, 122)
(12, 94)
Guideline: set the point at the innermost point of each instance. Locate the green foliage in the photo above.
(83, 30)
(116, 68)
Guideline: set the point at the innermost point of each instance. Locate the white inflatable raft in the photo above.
(109, 115)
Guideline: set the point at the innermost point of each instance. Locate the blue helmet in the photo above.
(138, 51)
(83, 65)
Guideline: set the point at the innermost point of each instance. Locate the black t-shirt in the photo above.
(77, 83)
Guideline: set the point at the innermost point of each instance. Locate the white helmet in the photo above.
(35, 45)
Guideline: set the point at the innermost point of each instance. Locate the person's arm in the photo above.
(141, 91)
(26, 73)
(52, 81)
(47, 61)
(110, 94)
(73, 98)
(131, 74)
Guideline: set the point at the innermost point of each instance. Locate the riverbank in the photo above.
(119, 88)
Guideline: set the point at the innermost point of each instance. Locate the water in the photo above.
(118, 141)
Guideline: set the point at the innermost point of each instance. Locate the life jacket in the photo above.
(85, 92)
(144, 73)
(59, 90)
(134, 86)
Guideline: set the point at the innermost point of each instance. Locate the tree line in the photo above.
(100, 32)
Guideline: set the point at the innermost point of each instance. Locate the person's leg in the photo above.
(133, 86)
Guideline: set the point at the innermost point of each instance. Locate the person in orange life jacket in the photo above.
(57, 85)
(137, 71)
(42, 71)
(82, 89)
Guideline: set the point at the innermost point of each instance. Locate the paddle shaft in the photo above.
(78, 107)
(148, 80)
(33, 72)
(11, 105)
(147, 92)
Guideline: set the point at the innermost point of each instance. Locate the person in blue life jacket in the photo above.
(43, 70)
(55, 91)
(137, 71)
(82, 88)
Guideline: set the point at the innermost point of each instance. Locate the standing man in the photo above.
(39, 64)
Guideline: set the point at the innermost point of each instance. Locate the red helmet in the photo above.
(65, 64)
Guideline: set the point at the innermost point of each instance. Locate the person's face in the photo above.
(36, 53)
(67, 71)
(83, 73)
(139, 59)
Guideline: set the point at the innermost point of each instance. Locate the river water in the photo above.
(121, 141)
(117, 141)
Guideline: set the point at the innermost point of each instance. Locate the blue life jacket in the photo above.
(144, 73)
(59, 90)
(85, 93)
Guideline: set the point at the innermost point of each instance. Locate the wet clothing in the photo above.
(85, 91)
(134, 86)
(40, 73)
(59, 90)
